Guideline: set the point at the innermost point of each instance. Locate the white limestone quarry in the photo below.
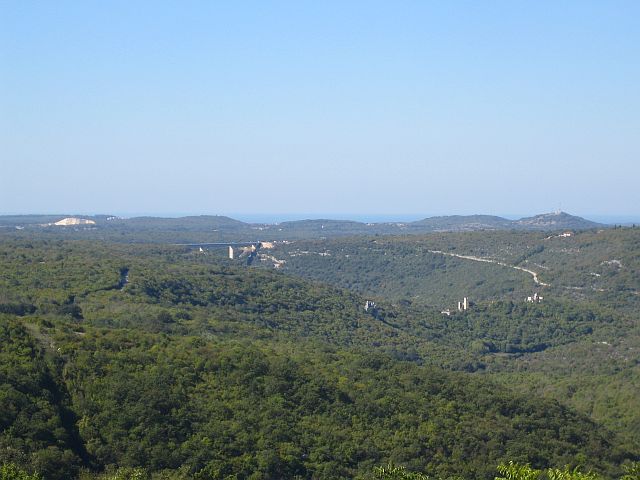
(70, 221)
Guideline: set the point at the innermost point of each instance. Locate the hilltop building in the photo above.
(231, 254)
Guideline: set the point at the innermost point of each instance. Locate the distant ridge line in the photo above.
(316, 228)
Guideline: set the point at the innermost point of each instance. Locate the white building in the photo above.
(463, 305)
(535, 299)
(369, 305)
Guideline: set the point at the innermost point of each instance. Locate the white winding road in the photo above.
(488, 260)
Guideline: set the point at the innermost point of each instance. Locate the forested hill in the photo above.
(580, 345)
(213, 228)
(440, 268)
(220, 407)
(187, 363)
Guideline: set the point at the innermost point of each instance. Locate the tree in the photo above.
(392, 472)
(10, 471)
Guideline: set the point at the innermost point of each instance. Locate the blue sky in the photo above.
(502, 107)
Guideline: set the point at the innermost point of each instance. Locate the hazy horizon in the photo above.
(278, 217)
(456, 107)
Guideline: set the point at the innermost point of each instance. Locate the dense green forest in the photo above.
(580, 346)
(596, 265)
(190, 365)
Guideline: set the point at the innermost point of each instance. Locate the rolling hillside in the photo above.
(210, 228)
(185, 368)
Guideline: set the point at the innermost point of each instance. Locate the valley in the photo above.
(319, 358)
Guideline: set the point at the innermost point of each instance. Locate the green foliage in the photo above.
(515, 471)
(511, 471)
(570, 474)
(202, 368)
(599, 265)
(223, 408)
(631, 471)
(11, 471)
(579, 346)
(128, 473)
(34, 419)
(392, 472)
